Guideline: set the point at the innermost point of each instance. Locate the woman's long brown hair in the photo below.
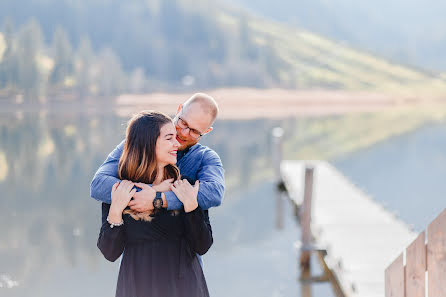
(138, 160)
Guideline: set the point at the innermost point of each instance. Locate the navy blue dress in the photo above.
(160, 256)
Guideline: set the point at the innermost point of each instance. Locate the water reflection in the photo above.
(405, 174)
(46, 164)
(50, 225)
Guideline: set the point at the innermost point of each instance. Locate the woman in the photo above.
(159, 248)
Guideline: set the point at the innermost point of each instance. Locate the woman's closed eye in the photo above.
(169, 136)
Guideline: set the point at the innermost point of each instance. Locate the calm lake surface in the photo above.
(406, 174)
(50, 224)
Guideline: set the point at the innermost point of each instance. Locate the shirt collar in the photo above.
(180, 154)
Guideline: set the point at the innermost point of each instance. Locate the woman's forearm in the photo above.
(111, 241)
(190, 205)
(114, 215)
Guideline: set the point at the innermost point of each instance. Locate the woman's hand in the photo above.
(186, 193)
(120, 196)
(163, 186)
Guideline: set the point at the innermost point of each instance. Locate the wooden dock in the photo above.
(360, 236)
(421, 270)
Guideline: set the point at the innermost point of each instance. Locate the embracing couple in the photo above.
(156, 188)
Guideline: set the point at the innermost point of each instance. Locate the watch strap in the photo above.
(158, 201)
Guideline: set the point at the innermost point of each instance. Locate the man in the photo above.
(194, 119)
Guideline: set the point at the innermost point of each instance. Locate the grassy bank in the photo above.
(331, 137)
(335, 136)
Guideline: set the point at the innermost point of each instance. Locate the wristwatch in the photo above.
(158, 201)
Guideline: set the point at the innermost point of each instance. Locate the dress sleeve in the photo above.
(198, 230)
(111, 241)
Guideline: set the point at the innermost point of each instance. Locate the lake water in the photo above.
(50, 224)
(48, 244)
(406, 174)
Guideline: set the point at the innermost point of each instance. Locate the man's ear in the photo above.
(179, 108)
(208, 130)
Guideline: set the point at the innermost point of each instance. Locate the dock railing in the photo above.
(420, 270)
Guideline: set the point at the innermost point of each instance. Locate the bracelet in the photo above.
(114, 224)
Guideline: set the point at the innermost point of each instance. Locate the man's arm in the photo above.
(212, 184)
(106, 176)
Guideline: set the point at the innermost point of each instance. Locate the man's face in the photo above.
(191, 118)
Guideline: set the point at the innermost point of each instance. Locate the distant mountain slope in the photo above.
(410, 32)
(310, 60)
(200, 44)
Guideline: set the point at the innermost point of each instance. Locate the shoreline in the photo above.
(234, 104)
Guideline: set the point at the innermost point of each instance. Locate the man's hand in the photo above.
(143, 200)
(163, 186)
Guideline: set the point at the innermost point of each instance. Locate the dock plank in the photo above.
(395, 278)
(416, 267)
(436, 256)
(358, 232)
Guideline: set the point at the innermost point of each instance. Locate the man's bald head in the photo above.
(207, 104)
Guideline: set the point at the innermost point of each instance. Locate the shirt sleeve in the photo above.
(198, 230)
(111, 241)
(212, 184)
(106, 176)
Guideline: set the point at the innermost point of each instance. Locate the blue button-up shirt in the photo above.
(197, 162)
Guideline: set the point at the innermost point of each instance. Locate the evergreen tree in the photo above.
(248, 49)
(137, 81)
(8, 29)
(30, 42)
(82, 67)
(62, 54)
(171, 20)
(9, 62)
(110, 77)
(270, 61)
(177, 65)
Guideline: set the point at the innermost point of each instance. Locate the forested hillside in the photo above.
(107, 47)
(407, 32)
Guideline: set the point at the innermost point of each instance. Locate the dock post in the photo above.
(305, 221)
(277, 159)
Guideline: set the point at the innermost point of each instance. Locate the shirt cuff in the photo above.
(172, 201)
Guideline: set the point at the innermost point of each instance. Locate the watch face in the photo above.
(158, 203)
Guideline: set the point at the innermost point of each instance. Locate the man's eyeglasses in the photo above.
(192, 132)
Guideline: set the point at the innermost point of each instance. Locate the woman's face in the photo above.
(167, 145)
